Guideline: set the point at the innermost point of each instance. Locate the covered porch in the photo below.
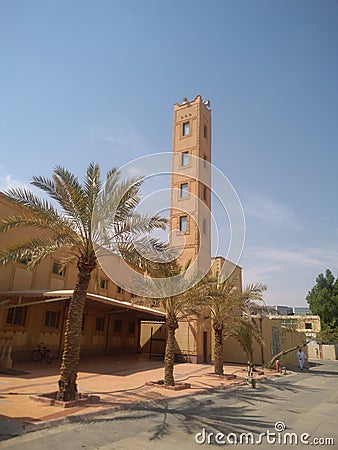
(29, 318)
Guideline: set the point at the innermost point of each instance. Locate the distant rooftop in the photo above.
(290, 310)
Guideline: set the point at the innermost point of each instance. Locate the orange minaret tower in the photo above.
(190, 224)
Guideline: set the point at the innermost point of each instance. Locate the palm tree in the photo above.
(221, 299)
(245, 331)
(70, 227)
(226, 303)
(168, 277)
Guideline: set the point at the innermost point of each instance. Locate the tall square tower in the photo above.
(190, 224)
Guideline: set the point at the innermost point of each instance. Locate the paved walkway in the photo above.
(118, 380)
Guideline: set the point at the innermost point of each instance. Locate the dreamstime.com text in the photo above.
(277, 437)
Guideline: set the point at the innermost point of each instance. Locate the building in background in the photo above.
(34, 304)
(299, 318)
(290, 310)
(309, 325)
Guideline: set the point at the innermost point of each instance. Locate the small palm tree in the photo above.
(245, 331)
(226, 303)
(175, 306)
(222, 300)
(69, 227)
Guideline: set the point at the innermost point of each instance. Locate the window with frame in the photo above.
(186, 128)
(289, 322)
(184, 192)
(59, 269)
(52, 319)
(308, 325)
(17, 315)
(204, 192)
(103, 283)
(205, 132)
(99, 324)
(183, 224)
(131, 328)
(117, 326)
(119, 290)
(185, 159)
(204, 226)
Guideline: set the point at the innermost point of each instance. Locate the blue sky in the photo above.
(97, 80)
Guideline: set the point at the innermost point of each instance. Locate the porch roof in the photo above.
(57, 295)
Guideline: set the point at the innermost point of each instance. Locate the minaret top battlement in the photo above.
(197, 99)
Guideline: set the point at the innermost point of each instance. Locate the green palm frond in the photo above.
(163, 280)
(253, 291)
(72, 198)
(23, 220)
(33, 250)
(227, 302)
(142, 253)
(87, 214)
(251, 297)
(132, 231)
(144, 224)
(48, 186)
(137, 224)
(116, 202)
(127, 192)
(112, 174)
(30, 201)
(92, 189)
(67, 193)
(246, 331)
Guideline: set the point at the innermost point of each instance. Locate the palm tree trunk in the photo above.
(250, 355)
(71, 354)
(272, 361)
(172, 326)
(218, 331)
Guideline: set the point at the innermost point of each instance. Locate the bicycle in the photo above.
(42, 352)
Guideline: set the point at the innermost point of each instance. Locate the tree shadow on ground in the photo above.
(237, 414)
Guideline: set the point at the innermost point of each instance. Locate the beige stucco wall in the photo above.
(158, 332)
(322, 351)
(287, 338)
(194, 337)
(225, 269)
(18, 277)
